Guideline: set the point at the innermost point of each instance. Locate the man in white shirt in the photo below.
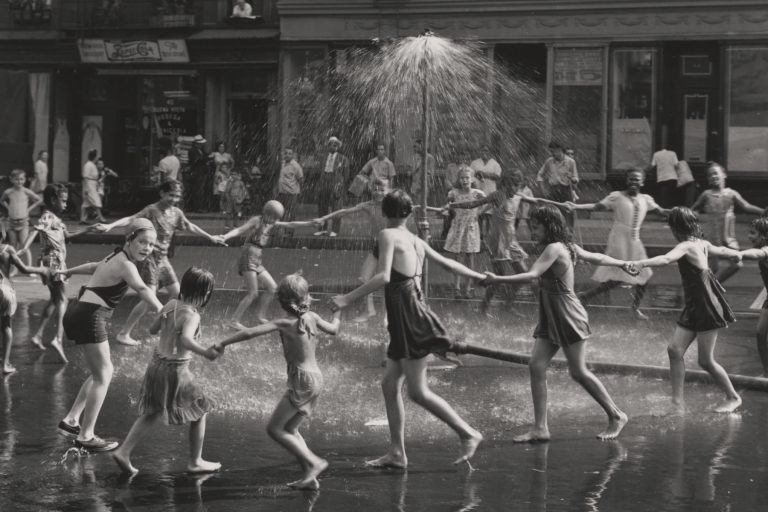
(289, 183)
(487, 170)
(558, 176)
(331, 186)
(380, 167)
(169, 166)
(665, 161)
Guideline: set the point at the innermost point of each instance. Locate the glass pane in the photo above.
(748, 119)
(578, 104)
(632, 108)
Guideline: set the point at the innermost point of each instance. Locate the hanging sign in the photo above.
(100, 51)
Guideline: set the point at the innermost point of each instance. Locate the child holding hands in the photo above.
(758, 235)
(169, 391)
(298, 335)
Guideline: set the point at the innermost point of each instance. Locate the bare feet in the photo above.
(125, 339)
(262, 320)
(234, 324)
(678, 406)
(309, 481)
(534, 435)
(639, 314)
(363, 318)
(388, 461)
(8, 369)
(36, 341)
(56, 345)
(615, 425)
(468, 447)
(203, 466)
(124, 463)
(729, 405)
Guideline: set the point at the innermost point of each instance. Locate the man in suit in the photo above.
(332, 186)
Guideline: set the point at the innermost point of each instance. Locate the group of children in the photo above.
(169, 392)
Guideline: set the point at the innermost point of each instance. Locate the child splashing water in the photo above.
(169, 391)
(563, 321)
(718, 201)
(705, 311)
(758, 235)
(250, 266)
(376, 222)
(298, 336)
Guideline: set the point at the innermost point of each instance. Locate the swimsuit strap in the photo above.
(419, 261)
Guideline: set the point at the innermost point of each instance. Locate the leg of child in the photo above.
(638, 291)
(580, 373)
(251, 280)
(762, 340)
(366, 272)
(37, 339)
(269, 288)
(543, 352)
(490, 290)
(392, 387)
(727, 271)
(23, 234)
(61, 309)
(13, 241)
(597, 290)
(282, 427)
(415, 371)
(707, 341)
(73, 416)
(676, 350)
(457, 279)
(7, 334)
(196, 437)
(97, 358)
(122, 456)
(124, 336)
(470, 263)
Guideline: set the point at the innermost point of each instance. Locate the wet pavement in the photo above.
(699, 461)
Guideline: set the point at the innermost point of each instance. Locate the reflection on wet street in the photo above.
(698, 461)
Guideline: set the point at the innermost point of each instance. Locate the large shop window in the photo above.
(632, 107)
(577, 117)
(748, 109)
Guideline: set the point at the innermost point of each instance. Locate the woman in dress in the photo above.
(91, 197)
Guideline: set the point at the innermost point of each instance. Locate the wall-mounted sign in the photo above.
(578, 66)
(100, 51)
(696, 65)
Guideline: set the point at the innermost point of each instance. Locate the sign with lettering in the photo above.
(100, 51)
(578, 66)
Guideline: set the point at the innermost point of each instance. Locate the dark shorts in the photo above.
(250, 260)
(85, 322)
(157, 271)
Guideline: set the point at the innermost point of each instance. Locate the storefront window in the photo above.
(748, 109)
(577, 117)
(632, 107)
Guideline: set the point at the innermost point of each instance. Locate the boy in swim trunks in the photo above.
(19, 201)
(298, 334)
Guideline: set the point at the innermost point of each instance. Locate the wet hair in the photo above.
(555, 145)
(684, 223)
(397, 204)
(555, 227)
(196, 286)
(760, 225)
(714, 165)
(293, 294)
(93, 154)
(168, 186)
(16, 173)
(137, 227)
(51, 195)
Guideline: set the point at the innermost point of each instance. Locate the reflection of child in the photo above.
(718, 201)
(463, 237)
(705, 311)
(758, 235)
(169, 391)
(236, 193)
(17, 202)
(298, 336)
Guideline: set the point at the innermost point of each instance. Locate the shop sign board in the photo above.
(578, 66)
(101, 51)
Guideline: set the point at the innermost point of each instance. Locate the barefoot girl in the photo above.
(463, 237)
(86, 319)
(758, 235)
(414, 330)
(259, 236)
(169, 391)
(718, 201)
(376, 222)
(705, 311)
(563, 321)
(53, 255)
(298, 336)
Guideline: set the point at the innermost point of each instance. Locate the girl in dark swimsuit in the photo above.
(414, 330)
(705, 311)
(86, 323)
(563, 321)
(758, 235)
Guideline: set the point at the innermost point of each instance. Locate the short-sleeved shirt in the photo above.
(290, 174)
(665, 161)
(53, 236)
(558, 172)
(170, 167)
(490, 167)
(166, 222)
(382, 169)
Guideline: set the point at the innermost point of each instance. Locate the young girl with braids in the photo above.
(705, 311)
(169, 391)
(563, 321)
(298, 334)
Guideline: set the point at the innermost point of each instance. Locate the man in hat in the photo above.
(331, 186)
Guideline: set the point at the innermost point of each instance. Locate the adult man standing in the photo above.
(156, 271)
(331, 189)
(380, 167)
(169, 166)
(289, 183)
(487, 170)
(198, 169)
(558, 175)
(666, 164)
